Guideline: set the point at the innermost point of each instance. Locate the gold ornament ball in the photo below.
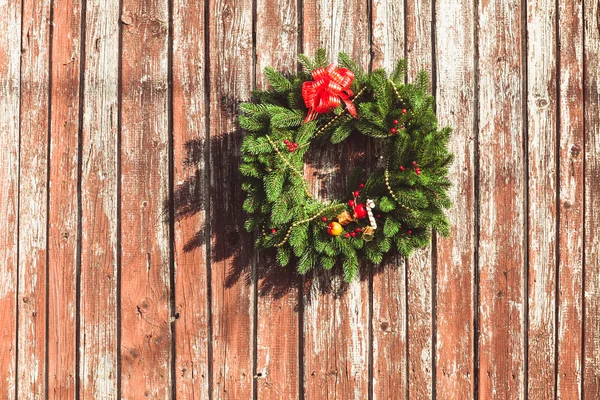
(334, 229)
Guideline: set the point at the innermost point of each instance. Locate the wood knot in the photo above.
(384, 325)
(575, 150)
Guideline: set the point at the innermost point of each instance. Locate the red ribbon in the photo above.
(329, 88)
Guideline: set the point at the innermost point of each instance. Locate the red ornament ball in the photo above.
(351, 203)
(347, 235)
(394, 131)
(324, 219)
(404, 111)
(358, 230)
(360, 211)
(362, 185)
(356, 193)
(409, 231)
(401, 168)
(273, 231)
(353, 234)
(396, 122)
(414, 163)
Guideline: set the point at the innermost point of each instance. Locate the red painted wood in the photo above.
(145, 274)
(189, 201)
(330, 318)
(571, 200)
(542, 186)
(419, 272)
(63, 213)
(277, 324)
(591, 99)
(455, 291)
(99, 202)
(389, 283)
(232, 287)
(33, 213)
(501, 305)
(10, 91)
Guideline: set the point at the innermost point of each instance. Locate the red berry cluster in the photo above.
(292, 146)
(417, 169)
(353, 234)
(393, 129)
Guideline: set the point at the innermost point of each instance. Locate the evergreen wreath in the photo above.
(396, 208)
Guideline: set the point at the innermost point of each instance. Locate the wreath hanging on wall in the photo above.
(395, 208)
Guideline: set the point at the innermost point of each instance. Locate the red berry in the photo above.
(347, 235)
(395, 122)
(353, 234)
(378, 216)
(418, 172)
(394, 131)
(409, 231)
(286, 141)
(362, 185)
(358, 230)
(356, 193)
(291, 149)
(404, 111)
(401, 168)
(273, 231)
(414, 163)
(351, 203)
(324, 219)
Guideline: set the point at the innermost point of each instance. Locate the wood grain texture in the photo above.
(387, 33)
(419, 269)
(591, 92)
(145, 277)
(63, 213)
(571, 194)
(10, 92)
(501, 320)
(389, 286)
(189, 201)
(455, 291)
(389, 332)
(98, 339)
(542, 186)
(277, 322)
(339, 316)
(33, 213)
(232, 290)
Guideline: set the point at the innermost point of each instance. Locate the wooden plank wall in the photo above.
(125, 271)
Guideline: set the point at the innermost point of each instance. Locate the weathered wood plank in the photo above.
(419, 275)
(98, 349)
(277, 329)
(455, 291)
(501, 186)
(145, 277)
(542, 186)
(63, 213)
(232, 295)
(331, 370)
(570, 229)
(389, 332)
(389, 285)
(591, 79)
(10, 53)
(33, 213)
(189, 200)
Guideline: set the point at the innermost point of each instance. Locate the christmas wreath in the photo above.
(395, 208)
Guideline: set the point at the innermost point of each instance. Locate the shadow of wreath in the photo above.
(212, 166)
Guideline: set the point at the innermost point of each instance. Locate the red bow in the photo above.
(324, 93)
